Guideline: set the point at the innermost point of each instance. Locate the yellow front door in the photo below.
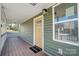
(38, 31)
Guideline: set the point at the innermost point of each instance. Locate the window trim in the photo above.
(53, 28)
(66, 21)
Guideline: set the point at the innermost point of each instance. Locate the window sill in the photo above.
(72, 43)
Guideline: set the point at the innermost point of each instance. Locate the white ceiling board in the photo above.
(20, 12)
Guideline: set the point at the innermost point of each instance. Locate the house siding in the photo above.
(3, 29)
(27, 31)
(52, 47)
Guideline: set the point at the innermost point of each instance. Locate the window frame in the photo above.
(53, 28)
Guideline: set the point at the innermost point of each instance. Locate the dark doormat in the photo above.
(35, 49)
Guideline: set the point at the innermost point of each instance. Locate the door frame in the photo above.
(42, 31)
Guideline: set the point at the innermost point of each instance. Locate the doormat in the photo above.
(35, 49)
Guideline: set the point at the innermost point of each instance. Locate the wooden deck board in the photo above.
(15, 46)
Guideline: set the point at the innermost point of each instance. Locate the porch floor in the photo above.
(14, 46)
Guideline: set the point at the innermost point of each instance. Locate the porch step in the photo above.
(35, 49)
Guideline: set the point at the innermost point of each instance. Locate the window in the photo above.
(65, 23)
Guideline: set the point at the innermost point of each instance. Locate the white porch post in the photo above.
(78, 19)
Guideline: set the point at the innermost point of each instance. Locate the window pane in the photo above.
(65, 11)
(67, 31)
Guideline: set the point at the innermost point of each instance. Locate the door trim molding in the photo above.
(33, 32)
(42, 32)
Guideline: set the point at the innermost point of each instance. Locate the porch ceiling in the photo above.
(20, 12)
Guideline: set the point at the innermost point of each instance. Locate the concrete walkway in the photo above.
(15, 46)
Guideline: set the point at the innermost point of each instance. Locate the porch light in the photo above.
(44, 11)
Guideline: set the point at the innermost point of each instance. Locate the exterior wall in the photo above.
(2, 41)
(3, 21)
(0, 28)
(0, 21)
(53, 47)
(50, 46)
(26, 29)
(0, 24)
(3, 29)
